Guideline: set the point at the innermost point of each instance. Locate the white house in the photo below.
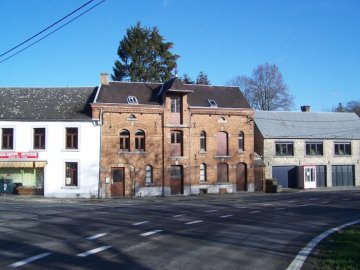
(48, 142)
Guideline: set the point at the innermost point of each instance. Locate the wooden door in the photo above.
(176, 180)
(118, 182)
(241, 177)
(221, 144)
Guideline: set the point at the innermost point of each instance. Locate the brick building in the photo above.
(173, 138)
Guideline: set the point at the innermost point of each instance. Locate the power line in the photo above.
(86, 11)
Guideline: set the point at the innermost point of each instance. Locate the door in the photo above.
(285, 176)
(241, 177)
(176, 180)
(118, 182)
(343, 175)
(221, 144)
(321, 176)
(309, 177)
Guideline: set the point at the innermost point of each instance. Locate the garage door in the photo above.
(285, 175)
(321, 176)
(343, 175)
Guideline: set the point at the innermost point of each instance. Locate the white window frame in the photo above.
(132, 100)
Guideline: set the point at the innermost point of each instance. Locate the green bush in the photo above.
(271, 185)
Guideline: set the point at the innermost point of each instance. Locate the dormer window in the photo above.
(212, 103)
(132, 100)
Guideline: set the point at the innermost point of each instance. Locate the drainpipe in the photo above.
(163, 154)
(190, 151)
(100, 151)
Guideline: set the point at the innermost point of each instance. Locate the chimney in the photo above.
(305, 108)
(104, 78)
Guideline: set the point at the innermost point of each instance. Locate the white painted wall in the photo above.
(56, 155)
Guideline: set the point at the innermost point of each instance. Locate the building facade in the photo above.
(309, 149)
(173, 138)
(49, 144)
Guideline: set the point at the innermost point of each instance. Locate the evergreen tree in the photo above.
(202, 78)
(144, 56)
(186, 79)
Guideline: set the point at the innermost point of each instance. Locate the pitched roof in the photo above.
(151, 93)
(308, 125)
(46, 104)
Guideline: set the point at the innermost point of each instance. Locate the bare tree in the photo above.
(265, 89)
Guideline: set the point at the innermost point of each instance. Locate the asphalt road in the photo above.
(234, 231)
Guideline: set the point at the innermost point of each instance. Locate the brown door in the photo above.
(241, 177)
(176, 180)
(118, 182)
(221, 144)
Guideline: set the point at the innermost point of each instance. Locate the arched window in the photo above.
(241, 141)
(125, 140)
(202, 141)
(140, 140)
(131, 117)
(203, 172)
(149, 175)
(222, 172)
(221, 143)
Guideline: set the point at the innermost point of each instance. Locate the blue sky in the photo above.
(315, 43)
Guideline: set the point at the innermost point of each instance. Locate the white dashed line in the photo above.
(301, 205)
(140, 223)
(267, 204)
(150, 233)
(254, 212)
(226, 216)
(210, 211)
(325, 202)
(313, 199)
(179, 215)
(93, 251)
(193, 222)
(291, 201)
(29, 260)
(96, 236)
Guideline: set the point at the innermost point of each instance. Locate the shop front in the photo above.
(21, 173)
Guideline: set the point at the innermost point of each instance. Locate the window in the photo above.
(241, 141)
(39, 138)
(202, 141)
(132, 100)
(131, 117)
(284, 148)
(71, 173)
(140, 140)
(221, 143)
(212, 103)
(149, 175)
(176, 143)
(342, 148)
(222, 172)
(314, 148)
(7, 140)
(71, 138)
(175, 105)
(203, 172)
(125, 140)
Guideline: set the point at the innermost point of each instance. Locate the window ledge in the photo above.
(342, 155)
(178, 157)
(132, 153)
(220, 157)
(149, 184)
(70, 187)
(70, 150)
(241, 151)
(202, 152)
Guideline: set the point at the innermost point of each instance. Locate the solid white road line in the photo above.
(141, 222)
(150, 233)
(254, 212)
(193, 222)
(302, 255)
(29, 260)
(96, 236)
(93, 251)
(226, 216)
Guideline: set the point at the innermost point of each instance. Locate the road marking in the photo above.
(139, 223)
(303, 205)
(93, 251)
(193, 222)
(254, 212)
(226, 216)
(150, 233)
(179, 215)
(346, 199)
(29, 260)
(325, 202)
(267, 204)
(280, 208)
(291, 201)
(96, 236)
(313, 199)
(302, 255)
(210, 211)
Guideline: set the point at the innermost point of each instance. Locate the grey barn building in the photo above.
(309, 149)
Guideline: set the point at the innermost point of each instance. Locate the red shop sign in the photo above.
(6, 155)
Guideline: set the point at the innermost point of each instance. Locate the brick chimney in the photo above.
(104, 78)
(305, 108)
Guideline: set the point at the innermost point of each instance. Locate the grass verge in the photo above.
(340, 251)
